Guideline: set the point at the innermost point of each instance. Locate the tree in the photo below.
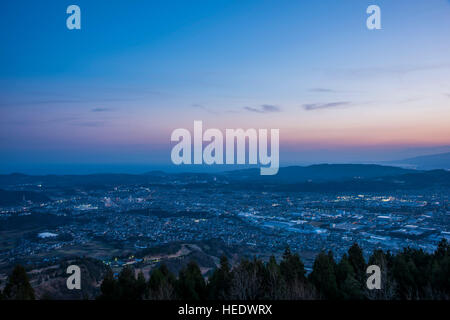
(248, 280)
(141, 286)
(109, 287)
(440, 273)
(402, 272)
(161, 284)
(127, 284)
(443, 249)
(18, 286)
(349, 287)
(356, 260)
(323, 276)
(275, 284)
(190, 284)
(388, 285)
(219, 283)
(295, 284)
(291, 267)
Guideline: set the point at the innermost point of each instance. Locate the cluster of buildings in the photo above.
(139, 217)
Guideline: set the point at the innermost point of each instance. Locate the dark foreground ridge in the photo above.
(409, 275)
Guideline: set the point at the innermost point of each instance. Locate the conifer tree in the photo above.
(323, 276)
(356, 260)
(349, 287)
(292, 267)
(161, 284)
(18, 286)
(141, 286)
(127, 284)
(190, 284)
(220, 282)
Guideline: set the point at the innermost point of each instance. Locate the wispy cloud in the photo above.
(265, 108)
(316, 106)
(321, 90)
(64, 119)
(89, 124)
(102, 109)
(40, 102)
(399, 70)
(61, 101)
(202, 107)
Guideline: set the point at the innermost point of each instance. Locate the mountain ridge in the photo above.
(427, 162)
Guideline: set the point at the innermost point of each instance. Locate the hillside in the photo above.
(434, 161)
(320, 173)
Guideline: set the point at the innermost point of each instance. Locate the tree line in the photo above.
(410, 274)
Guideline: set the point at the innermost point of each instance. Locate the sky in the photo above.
(109, 95)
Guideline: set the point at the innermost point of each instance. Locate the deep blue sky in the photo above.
(112, 92)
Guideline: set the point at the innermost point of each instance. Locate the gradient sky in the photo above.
(112, 92)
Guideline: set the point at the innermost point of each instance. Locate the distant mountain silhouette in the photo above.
(417, 180)
(320, 173)
(315, 178)
(434, 161)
